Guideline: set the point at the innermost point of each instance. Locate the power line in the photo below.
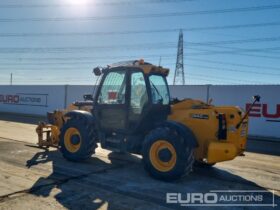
(240, 41)
(163, 44)
(73, 67)
(229, 69)
(68, 50)
(126, 47)
(88, 60)
(233, 70)
(139, 16)
(47, 68)
(238, 51)
(234, 51)
(82, 79)
(75, 79)
(111, 3)
(44, 63)
(189, 55)
(151, 46)
(133, 32)
(236, 64)
(88, 48)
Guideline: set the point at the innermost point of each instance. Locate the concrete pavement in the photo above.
(32, 178)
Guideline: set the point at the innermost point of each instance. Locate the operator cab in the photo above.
(132, 98)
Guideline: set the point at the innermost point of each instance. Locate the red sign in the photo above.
(112, 95)
(262, 110)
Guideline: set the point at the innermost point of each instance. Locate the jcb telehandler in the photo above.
(131, 111)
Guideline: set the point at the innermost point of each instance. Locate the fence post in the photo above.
(208, 93)
(65, 96)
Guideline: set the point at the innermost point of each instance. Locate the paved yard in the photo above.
(32, 178)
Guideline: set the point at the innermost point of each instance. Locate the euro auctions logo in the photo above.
(223, 198)
(270, 112)
(11, 99)
(24, 99)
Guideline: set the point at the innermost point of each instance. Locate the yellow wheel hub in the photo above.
(72, 140)
(163, 155)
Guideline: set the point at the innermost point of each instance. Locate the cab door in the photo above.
(139, 100)
(111, 105)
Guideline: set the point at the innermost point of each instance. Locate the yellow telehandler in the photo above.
(131, 111)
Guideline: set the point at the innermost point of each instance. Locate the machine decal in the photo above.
(200, 116)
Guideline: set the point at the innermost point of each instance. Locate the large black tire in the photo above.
(87, 139)
(158, 163)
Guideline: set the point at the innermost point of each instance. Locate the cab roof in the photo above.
(147, 68)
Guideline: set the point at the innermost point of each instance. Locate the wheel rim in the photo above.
(158, 162)
(72, 140)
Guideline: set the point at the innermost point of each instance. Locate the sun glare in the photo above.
(78, 6)
(78, 2)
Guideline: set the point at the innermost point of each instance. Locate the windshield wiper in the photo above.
(160, 100)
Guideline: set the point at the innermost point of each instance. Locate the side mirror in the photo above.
(257, 98)
(210, 101)
(88, 97)
(97, 71)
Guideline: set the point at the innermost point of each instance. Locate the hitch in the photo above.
(48, 135)
(256, 98)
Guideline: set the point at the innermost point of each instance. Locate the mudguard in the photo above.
(183, 131)
(80, 114)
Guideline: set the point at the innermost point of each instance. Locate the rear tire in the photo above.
(165, 154)
(77, 140)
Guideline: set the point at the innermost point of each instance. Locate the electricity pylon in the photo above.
(179, 77)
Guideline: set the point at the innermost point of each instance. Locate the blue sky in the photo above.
(244, 55)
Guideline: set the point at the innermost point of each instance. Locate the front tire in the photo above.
(77, 140)
(165, 154)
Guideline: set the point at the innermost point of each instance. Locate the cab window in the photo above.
(113, 89)
(159, 90)
(139, 96)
